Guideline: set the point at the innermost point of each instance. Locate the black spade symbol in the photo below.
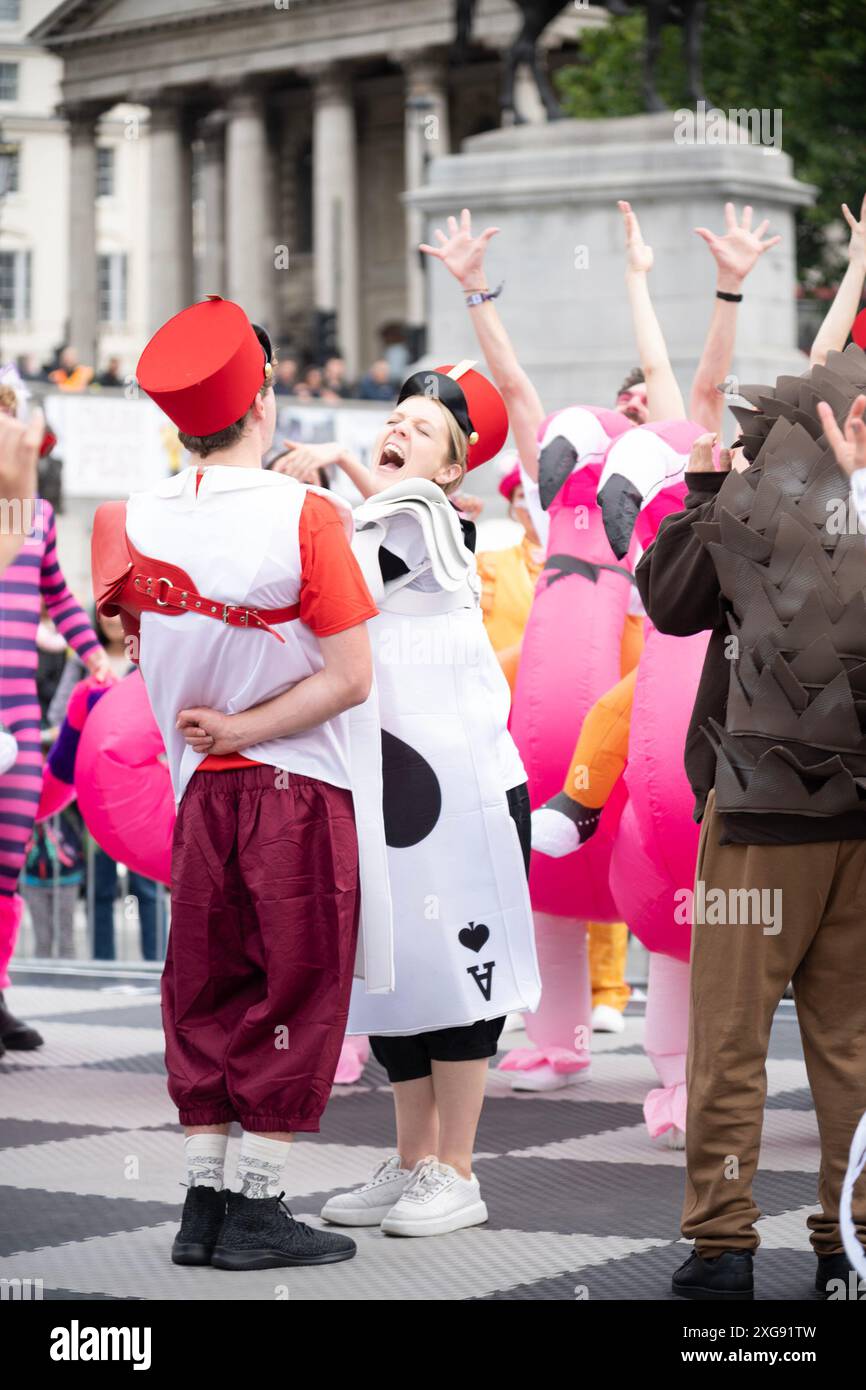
(474, 936)
(411, 795)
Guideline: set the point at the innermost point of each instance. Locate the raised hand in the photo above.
(740, 248)
(701, 456)
(849, 447)
(461, 252)
(303, 461)
(639, 256)
(857, 244)
(19, 451)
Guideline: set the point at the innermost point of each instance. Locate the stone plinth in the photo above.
(553, 190)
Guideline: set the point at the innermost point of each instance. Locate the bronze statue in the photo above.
(537, 14)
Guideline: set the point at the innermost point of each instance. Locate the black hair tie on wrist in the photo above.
(729, 298)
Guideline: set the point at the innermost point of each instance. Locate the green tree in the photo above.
(806, 59)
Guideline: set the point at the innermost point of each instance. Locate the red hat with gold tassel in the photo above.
(474, 402)
(205, 366)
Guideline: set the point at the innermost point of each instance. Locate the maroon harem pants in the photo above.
(255, 992)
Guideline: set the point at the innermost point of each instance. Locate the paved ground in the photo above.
(581, 1203)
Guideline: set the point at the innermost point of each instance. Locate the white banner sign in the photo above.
(111, 446)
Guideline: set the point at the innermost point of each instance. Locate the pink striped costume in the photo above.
(33, 576)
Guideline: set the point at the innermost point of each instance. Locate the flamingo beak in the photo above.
(620, 503)
(555, 463)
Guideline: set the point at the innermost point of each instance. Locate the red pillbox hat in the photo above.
(474, 402)
(204, 366)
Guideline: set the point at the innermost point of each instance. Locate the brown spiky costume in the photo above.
(794, 739)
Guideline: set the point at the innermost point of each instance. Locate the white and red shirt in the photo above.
(263, 540)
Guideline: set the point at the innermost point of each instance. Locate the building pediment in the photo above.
(91, 20)
(74, 21)
(129, 50)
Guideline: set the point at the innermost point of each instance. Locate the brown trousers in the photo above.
(739, 973)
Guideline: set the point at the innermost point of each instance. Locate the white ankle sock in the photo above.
(205, 1156)
(260, 1166)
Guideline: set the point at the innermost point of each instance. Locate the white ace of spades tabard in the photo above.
(464, 947)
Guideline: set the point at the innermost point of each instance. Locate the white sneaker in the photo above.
(544, 1078)
(607, 1019)
(367, 1204)
(437, 1200)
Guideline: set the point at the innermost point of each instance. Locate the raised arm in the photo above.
(664, 398)
(833, 333)
(463, 255)
(735, 254)
(304, 462)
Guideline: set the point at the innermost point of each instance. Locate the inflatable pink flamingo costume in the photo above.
(653, 859)
(571, 654)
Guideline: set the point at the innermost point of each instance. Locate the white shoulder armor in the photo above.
(425, 508)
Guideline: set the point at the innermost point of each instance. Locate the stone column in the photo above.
(83, 326)
(213, 192)
(335, 210)
(249, 241)
(427, 136)
(171, 285)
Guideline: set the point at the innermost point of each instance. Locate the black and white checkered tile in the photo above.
(581, 1203)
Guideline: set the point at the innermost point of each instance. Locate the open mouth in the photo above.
(392, 457)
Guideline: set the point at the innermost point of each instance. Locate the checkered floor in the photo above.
(581, 1202)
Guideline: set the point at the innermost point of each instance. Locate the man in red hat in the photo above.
(255, 593)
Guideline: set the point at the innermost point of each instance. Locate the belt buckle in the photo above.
(163, 602)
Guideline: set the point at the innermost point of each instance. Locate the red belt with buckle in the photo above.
(127, 582)
(176, 593)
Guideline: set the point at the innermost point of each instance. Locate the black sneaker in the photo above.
(202, 1220)
(835, 1267)
(261, 1233)
(725, 1277)
(17, 1036)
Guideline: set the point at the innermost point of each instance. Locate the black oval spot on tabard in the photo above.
(411, 795)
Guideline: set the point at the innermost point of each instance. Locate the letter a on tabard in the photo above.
(483, 978)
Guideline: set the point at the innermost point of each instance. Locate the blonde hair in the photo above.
(8, 400)
(458, 446)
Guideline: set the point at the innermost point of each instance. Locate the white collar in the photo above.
(221, 477)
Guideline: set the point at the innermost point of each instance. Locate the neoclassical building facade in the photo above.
(281, 136)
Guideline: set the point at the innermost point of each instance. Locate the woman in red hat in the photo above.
(455, 802)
